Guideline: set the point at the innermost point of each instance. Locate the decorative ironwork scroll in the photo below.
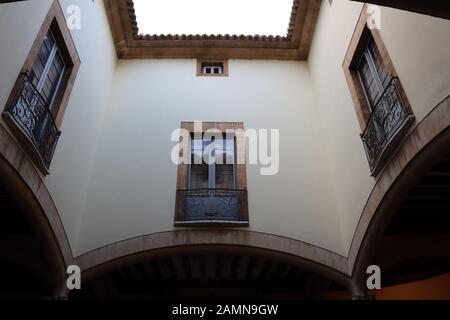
(32, 115)
(387, 118)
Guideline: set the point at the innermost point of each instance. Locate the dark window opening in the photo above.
(372, 74)
(47, 70)
(212, 68)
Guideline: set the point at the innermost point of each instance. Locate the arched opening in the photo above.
(207, 272)
(415, 245)
(31, 262)
(23, 265)
(409, 236)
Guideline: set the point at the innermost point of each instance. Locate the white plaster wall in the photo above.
(75, 152)
(419, 47)
(349, 168)
(134, 181)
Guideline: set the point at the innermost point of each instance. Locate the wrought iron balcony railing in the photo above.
(386, 127)
(30, 118)
(227, 206)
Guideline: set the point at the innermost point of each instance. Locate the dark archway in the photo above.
(415, 244)
(422, 153)
(25, 268)
(410, 235)
(31, 234)
(208, 272)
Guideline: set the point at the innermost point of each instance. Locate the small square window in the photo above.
(212, 68)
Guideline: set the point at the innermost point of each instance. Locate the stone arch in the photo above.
(428, 142)
(22, 182)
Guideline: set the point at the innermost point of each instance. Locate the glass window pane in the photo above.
(54, 74)
(39, 64)
(368, 81)
(225, 171)
(199, 176)
(199, 169)
(43, 55)
(46, 73)
(224, 176)
(49, 41)
(47, 90)
(36, 71)
(224, 165)
(219, 151)
(378, 62)
(196, 151)
(58, 62)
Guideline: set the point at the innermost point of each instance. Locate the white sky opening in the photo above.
(234, 17)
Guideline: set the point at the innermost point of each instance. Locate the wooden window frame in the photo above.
(379, 83)
(240, 176)
(56, 23)
(45, 72)
(200, 73)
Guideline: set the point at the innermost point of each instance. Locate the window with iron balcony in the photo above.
(35, 108)
(381, 105)
(211, 187)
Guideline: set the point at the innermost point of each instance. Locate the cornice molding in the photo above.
(132, 45)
